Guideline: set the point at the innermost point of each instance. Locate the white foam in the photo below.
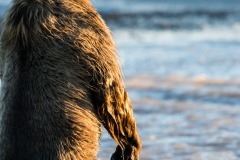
(180, 37)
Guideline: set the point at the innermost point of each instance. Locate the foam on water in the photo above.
(178, 38)
(213, 52)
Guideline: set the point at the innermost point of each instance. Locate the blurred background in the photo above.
(181, 66)
(181, 63)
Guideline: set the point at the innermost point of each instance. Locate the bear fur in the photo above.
(61, 80)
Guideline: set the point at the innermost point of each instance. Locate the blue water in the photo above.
(174, 5)
(172, 14)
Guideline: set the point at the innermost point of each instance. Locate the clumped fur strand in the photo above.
(61, 79)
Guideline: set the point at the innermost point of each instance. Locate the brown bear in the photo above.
(61, 80)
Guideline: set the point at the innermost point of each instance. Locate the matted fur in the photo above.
(60, 80)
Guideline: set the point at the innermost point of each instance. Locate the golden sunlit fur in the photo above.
(61, 79)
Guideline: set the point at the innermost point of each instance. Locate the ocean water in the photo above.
(181, 62)
(181, 66)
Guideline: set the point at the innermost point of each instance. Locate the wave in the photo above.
(211, 35)
(170, 20)
(169, 14)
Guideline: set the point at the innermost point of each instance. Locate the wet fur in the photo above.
(60, 81)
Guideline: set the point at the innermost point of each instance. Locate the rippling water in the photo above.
(181, 63)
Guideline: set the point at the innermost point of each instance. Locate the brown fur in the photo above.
(60, 80)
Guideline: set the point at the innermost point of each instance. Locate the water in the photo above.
(181, 63)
